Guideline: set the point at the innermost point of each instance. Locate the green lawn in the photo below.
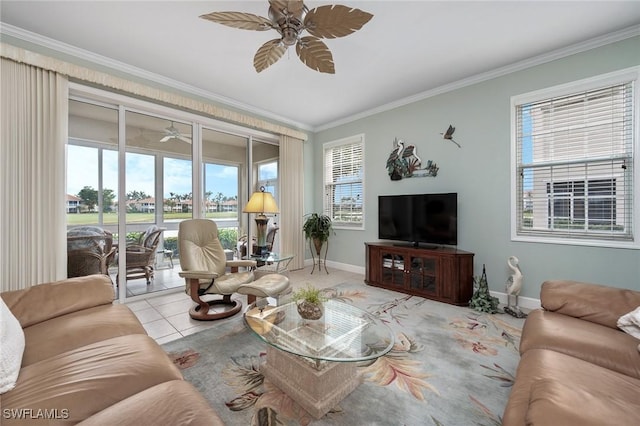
(112, 218)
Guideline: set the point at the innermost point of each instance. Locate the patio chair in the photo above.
(90, 251)
(204, 268)
(141, 255)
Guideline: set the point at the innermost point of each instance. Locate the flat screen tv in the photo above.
(419, 218)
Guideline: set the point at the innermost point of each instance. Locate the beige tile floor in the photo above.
(166, 317)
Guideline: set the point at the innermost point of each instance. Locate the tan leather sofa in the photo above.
(90, 361)
(576, 366)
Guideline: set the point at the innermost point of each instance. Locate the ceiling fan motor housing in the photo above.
(290, 24)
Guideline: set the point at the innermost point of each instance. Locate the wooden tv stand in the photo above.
(439, 273)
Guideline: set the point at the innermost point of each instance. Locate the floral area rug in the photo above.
(450, 366)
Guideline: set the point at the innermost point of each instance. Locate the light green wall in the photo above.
(480, 173)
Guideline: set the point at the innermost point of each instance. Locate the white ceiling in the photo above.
(409, 48)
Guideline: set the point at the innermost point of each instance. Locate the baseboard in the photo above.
(523, 302)
(337, 265)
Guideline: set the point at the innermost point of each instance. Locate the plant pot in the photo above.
(310, 311)
(318, 243)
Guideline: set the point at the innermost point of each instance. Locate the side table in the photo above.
(271, 263)
(166, 255)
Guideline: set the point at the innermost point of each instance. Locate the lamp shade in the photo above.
(261, 202)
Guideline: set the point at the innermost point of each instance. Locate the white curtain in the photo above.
(33, 122)
(292, 199)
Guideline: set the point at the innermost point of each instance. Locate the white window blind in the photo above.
(574, 165)
(344, 182)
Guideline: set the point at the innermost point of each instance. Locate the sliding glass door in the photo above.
(132, 171)
(223, 171)
(158, 176)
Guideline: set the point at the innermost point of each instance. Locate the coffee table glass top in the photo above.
(269, 257)
(344, 333)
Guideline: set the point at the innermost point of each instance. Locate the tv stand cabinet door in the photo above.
(423, 276)
(392, 269)
(385, 267)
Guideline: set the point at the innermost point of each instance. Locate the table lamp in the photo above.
(261, 202)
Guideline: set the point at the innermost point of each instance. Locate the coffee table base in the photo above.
(316, 390)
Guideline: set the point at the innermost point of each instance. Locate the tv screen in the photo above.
(419, 218)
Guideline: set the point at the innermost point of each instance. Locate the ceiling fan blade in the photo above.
(184, 138)
(244, 21)
(315, 54)
(335, 21)
(166, 138)
(268, 54)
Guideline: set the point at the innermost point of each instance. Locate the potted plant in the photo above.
(309, 302)
(317, 228)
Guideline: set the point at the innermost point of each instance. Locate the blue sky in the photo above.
(82, 170)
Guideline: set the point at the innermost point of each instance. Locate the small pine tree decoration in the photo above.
(481, 300)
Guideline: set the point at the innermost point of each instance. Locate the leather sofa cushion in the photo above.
(545, 366)
(71, 331)
(590, 302)
(598, 344)
(45, 301)
(171, 403)
(89, 379)
(556, 403)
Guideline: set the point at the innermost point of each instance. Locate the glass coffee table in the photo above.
(315, 362)
(271, 262)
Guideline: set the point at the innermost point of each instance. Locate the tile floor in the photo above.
(165, 278)
(166, 317)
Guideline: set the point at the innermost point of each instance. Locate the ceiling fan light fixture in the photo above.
(289, 36)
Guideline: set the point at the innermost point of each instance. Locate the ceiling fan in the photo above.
(172, 132)
(290, 19)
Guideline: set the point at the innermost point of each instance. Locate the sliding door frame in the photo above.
(124, 104)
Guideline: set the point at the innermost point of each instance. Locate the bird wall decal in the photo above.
(448, 135)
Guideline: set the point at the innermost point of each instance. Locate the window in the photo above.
(92, 166)
(567, 207)
(573, 162)
(268, 177)
(344, 182)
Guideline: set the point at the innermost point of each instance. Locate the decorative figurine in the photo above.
(481, 300)
(513, 287)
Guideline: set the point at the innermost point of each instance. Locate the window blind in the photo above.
(344, 182)
(574, 171)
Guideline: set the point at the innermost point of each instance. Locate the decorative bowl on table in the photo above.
(309, 302)
(309, 310)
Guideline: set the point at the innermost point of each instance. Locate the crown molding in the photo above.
(64, 48)
(85, 55)
(498, 72)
